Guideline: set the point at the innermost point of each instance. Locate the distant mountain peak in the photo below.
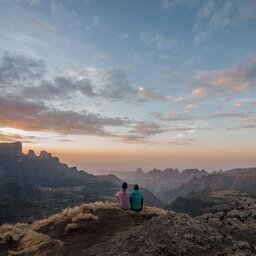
(10, 149)
(139, 171)
(31, 153)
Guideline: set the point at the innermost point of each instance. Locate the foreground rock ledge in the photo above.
(104, 229)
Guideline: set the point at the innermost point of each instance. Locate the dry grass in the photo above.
(84, 216)
(154, 210)
(30, 243)
(82, 212)
(10, 233)
(71, 226)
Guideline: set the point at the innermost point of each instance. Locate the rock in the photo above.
(71, 227)
(31, 153)
(10, 149)
(243, 245)
(238, 214)
(45, 155)
(214, 221)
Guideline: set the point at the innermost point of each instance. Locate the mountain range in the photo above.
(32, 187)
(243, 179)
(160, 181)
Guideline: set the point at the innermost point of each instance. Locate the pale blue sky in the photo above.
(167, 73)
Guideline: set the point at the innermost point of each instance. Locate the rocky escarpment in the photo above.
(103, 229)
(243, 179)
(232, 212)
(10, 149)
(33, 187)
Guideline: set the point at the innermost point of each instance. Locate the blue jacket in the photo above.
(135, 199)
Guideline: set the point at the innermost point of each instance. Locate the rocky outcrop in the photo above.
(31, 154)
(10, 149)
(102, 229)
(233, 212)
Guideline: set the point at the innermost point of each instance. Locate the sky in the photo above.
(118, 84)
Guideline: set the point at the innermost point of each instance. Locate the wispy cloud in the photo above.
(4, 137)
(158, 40)
(16, 69)
(124, 36)
(174, 116)
(95, 25)
(199, 92)
(214, 16)
(230, 80)
(165, 4)
(191, 106)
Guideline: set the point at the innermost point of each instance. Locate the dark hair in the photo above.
(124, 185)
(136, 187)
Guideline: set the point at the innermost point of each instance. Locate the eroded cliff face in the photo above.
(10, 149)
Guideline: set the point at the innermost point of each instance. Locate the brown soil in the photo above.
(91, 232)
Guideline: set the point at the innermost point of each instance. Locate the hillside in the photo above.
(243, 179)
(33, 187)
(233, 212)
(104, 229)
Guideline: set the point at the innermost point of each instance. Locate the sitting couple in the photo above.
(132, 201)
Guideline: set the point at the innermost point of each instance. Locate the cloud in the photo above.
(16, 137)
(61, 87)
(158, 40)
(165, 4)
(141, 131)
(115, 85)
(199, 92)
(218, 15)
(124, 36)
(95, 25)
(30, 116)
(16, 69)
(222, 17)
(201, 37)
(191, 106)
(230, 80)
(27, 78)
(249, 123)
(42, 26)
(174, 116)
(181, 139)
(148, 128)
(207, 9)
(26, 115)
(247, 9)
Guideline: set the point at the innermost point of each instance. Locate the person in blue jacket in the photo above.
(136, 199)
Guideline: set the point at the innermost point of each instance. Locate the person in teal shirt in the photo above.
(136, 199)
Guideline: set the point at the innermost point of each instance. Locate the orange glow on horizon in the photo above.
(149, 157)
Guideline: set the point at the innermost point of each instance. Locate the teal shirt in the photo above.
(135, 199)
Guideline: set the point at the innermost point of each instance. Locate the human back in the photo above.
(136, 199)
(123, 197)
